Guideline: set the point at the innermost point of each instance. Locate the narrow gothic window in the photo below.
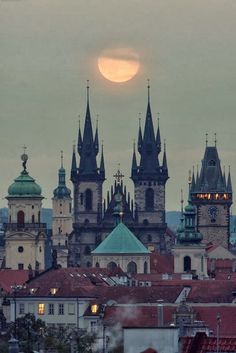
(111, 266)
(187, 263)
(212, 163)
(132, 267)
(145, 269)
(149, 199)
(20, 219)
(87, 250)
(88, 199)
(32, 218)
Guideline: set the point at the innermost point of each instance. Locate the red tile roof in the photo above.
(10, 278)
(150, 350)
(160, 263)
(203, 344)
(147, 316)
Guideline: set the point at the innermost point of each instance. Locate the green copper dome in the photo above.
(24, 186)
(121, 241)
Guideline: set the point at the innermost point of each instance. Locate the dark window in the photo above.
(89, 264)
(149, 238)
(132, 267)
(20, 219)
(87, 250)
(88, 199)
(145, 268)
(187, 263)
(97, 264)
(70, 207)
(20, 249)
(149, 199)
(33, 220)
(111, 266)
(20, 266)
(212, 163)
(39, 216)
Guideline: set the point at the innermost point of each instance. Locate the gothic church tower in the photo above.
(149, 179)
(212, 195)
(87, 181)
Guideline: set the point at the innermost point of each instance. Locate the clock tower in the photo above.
(211, 193)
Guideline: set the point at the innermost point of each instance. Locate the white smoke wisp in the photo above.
(123, 316)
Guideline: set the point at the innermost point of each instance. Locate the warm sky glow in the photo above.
(118, 65)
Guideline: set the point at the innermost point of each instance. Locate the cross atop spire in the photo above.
(87, 91)
(148, 87)
(215, 139)
(206, 139)
(118, 176)
(61, 159)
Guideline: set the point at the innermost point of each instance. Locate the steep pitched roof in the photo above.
(121, 241)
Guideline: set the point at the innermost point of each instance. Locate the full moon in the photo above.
(118, 65)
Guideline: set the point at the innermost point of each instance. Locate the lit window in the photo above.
(94, 308)
(41, 309)
(61, 309)
(50, 309)
(53, 291)
(21, 309)
(33, 290)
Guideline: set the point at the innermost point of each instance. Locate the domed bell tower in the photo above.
(25, 234)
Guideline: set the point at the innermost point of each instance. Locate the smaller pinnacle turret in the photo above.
(140, 137)
(158, 136)
(96, 141)
(134, 163)
(102, 165)
(73, 173)
(229, 183)
(80, 143)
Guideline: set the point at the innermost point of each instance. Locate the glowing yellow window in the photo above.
(94, 308)
(53, 291)
(41, 309)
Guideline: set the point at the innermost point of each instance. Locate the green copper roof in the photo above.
(121, 241)
(24, 186)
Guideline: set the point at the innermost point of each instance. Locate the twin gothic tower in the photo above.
(94, 216)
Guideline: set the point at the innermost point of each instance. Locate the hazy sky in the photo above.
(49, 48)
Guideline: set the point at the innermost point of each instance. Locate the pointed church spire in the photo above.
(140, 138)
(62, 191)
(80, 143)
(193, 183)
(164, 163)
(73, 173)
(224, 178)
(149, 157)
(88, 164)
(102, 165)
(134, 162)
(229, 183)
(158, 135)
(96, 142)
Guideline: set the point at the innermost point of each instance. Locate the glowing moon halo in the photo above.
(118, 65)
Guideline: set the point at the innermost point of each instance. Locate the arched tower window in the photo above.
(145, 267)
(187, 263)
(212, 163)
(20, 219)
(88, 199)
(111, 266)
(149, 199)
(97, 264)
(87, 250)
(132, 267)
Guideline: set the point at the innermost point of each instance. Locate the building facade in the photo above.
(61, 217)
(93, 214)
(24, 233)
(212, 195)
